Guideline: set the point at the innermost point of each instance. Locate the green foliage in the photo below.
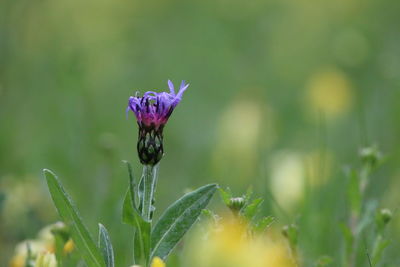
(323, 261)
(247, 209)
(131, 215)
(250, 210)
(173, 224)
(106, 246)
(263, 224)
(87, 247)
(67, 68)
(382, 218)
(363, 215)
(354, 192)
(291, 232)
(379, 247)
(348, 238)
(61, 236)
(226, 195)
(177, 220)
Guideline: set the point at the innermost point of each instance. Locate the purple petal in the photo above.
(182, 89)
(182, 84)
(171, 87)
(131, 99)
(127, 111)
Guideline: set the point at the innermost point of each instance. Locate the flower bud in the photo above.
(383, 218)
(236, 204)
(150, 145)
(370, 156)
(386, 215)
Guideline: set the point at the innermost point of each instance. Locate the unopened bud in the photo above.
(370, 155)
(150, 145)
(236, 204)
(384, 216)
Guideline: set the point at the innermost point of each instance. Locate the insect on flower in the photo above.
(152, 112)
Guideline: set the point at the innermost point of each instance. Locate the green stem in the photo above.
(149, 177)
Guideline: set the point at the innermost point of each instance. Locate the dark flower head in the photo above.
(152, 112)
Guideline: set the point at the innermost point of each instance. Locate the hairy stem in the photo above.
(149, 177)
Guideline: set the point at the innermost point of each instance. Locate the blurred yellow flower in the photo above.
(69, 246)
(287, 178)
(157, 262)
(46, 259)
(330, 92)
(291, 172)
(238, 138)
(229, 245)
(24, 196)
(41, 249)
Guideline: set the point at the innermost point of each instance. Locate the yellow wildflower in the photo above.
(69, 246)
(46, 260)
(330, 92)
(157, 262)
(231, 246)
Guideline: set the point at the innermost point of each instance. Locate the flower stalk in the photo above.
(149, 178)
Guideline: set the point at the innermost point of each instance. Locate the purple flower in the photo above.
(152, 112)
(153, 109)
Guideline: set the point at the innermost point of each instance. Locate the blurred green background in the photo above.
(283, 94)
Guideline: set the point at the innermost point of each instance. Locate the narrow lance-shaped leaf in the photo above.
(106, 246)
(84, 242)
(177, 220)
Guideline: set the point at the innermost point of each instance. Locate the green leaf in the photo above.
(132, 185)
(226, 195)
(177, 220)
(81, 236)
(354, 192)
(249, 193)
(348, 237)
(106, 246)
(379, 247)
(250, 211)
(131, 215)
(263, 224)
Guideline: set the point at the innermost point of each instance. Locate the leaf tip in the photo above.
(48, 172)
